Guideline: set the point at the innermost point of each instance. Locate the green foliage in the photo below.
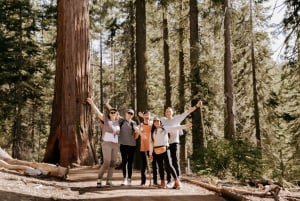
(25, 76)
(238, 158)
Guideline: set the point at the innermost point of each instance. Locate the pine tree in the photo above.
(24, 74)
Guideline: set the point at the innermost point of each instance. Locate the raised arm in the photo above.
(95, 109)
(177, 119)
(107, 104)
(178, 127)
(198, 105)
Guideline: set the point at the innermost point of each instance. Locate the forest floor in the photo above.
(81, 185)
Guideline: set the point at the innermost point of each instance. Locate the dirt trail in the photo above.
(81, 185)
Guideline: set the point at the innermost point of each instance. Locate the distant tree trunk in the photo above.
(229, 128)
(197, 120)
(181, 89)
(166, 57)
(141, 70)
(70, 123)
(255, 96)
(132, 56)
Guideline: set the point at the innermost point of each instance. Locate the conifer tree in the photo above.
(23, 73)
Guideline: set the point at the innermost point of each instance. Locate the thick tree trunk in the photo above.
(68, 141)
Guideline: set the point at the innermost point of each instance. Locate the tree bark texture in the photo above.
(70, 124)
(254, 84)
(166, 58)
(181, 89)
(197, 129)
(141, 70)
(229, 128)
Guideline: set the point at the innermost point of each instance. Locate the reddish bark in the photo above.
(68, 141)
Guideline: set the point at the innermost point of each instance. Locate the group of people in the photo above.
(159, 140)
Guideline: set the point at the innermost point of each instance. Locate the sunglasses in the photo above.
(130, 113)
(112, 112)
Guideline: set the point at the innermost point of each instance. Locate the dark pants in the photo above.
(164, 162)
(144, 164)
(127, 154)
(174, 158)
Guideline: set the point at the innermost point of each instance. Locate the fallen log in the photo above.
(238, 195)
(31, 168)
(225, 193)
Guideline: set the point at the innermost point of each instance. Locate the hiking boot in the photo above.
(124, 183)
(177, 184)
(99, 183)
(162, 184)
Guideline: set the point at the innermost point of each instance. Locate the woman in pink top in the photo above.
(110, 146)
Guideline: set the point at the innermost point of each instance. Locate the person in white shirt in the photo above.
(159, 145)
(110, 146)
(170, 120)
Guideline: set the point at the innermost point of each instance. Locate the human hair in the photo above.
(154, 128)
(117, 114)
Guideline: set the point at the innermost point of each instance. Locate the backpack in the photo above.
(131, 123)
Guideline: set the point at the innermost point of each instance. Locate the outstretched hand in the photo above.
(199, 104)
(140, 114)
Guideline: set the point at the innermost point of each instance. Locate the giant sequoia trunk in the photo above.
(68, 141)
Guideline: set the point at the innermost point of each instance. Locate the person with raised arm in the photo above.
(159, 145)
(110, 147)
(170, 120)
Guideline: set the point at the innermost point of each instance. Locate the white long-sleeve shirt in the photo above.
(160, 136)
(175, 121)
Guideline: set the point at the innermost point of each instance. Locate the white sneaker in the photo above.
(124, 183)
(170, 184)
(128, 182)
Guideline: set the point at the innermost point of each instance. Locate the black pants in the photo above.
(127, 154)
(174, 158)
(144, 164)
(164, 162)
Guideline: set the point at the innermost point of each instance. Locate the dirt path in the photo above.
(80, 185)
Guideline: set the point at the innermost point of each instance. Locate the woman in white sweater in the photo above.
(159, 145)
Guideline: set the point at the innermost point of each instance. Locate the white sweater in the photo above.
(161, 138)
